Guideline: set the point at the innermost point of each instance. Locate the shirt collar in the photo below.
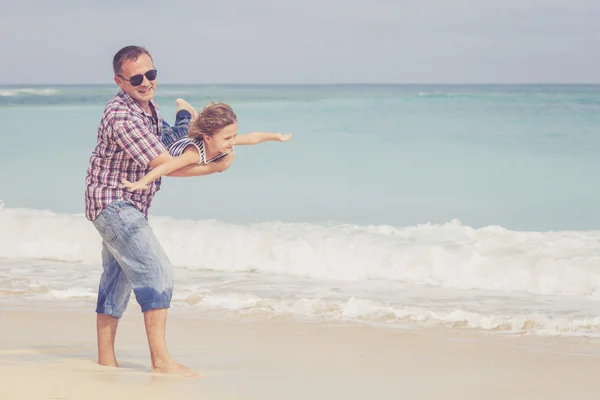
(131, 103)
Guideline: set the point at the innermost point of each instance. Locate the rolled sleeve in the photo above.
(138, 142)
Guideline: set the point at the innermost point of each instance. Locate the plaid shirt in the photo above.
(128, 139)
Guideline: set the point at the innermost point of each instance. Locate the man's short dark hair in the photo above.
(128, 53)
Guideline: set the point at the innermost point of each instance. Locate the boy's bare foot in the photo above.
(184, 105)
(174, 368)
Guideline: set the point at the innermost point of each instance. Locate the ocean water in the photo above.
(394, 205)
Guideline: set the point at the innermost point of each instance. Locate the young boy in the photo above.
(201, 139)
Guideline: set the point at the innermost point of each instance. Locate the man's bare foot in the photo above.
(109, 363)
(174, 368)
(184, 105)
(115, 364)
(108, 358)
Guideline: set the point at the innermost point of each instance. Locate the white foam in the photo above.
(449, 274)
(376, 313)
(28, 92)
(73, 293)
(449, 255)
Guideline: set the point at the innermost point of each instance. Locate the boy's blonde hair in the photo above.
(211, 120)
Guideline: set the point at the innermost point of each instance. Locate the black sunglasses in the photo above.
(137, 80)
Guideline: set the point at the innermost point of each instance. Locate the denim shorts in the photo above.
(132, 258)
(171, 134)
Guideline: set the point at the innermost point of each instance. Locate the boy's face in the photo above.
(224, 140)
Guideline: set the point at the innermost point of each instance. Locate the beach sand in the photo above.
(51, 355)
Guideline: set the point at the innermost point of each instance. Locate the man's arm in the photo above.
(139, 144)
(205, 169)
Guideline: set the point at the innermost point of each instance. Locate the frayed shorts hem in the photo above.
(155, 305)
(106, 311)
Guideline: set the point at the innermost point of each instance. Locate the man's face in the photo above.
(144, 92)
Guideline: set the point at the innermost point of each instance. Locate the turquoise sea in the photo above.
(395, 204)
(522, 157)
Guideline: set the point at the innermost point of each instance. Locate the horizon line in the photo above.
(316, 84)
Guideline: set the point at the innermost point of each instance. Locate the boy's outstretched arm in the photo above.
(205, 169)
(164, 165)
(259, 137)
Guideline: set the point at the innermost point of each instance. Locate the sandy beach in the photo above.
(51, 355)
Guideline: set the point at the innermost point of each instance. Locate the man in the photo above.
(132, 258)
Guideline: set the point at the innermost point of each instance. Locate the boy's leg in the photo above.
(171, 134)
(184, 105)
(182, 119)
(167, 134)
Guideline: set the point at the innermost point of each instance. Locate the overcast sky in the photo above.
(307, 41)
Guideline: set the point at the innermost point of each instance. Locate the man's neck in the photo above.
(145, 106)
